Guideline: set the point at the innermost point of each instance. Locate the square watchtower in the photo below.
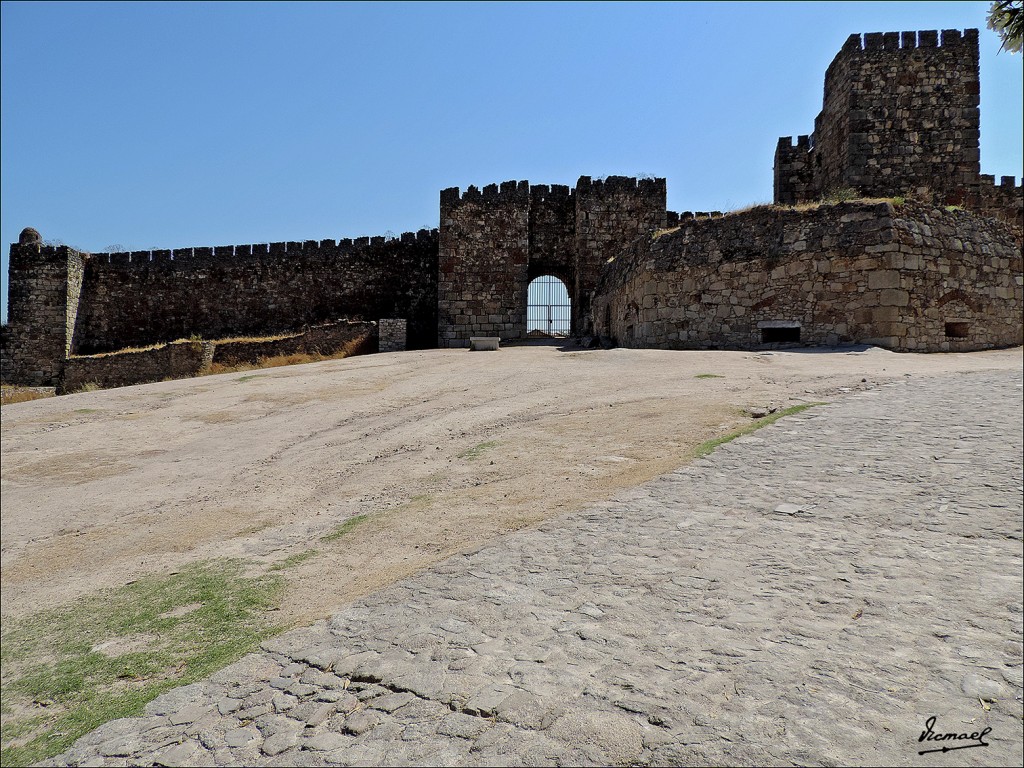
(899, 117)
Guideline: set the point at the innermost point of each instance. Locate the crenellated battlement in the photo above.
(554, 192)
(102, 302)
(492, 194)
(617, 185)
(204, 256)
(1006, 182)
(904, 41)
(1004, 201)
(675, 219)
(802, 143)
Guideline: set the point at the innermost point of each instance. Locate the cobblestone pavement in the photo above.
(809, 594)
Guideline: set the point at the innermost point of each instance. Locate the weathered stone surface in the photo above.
(187, 714)
(184, 754)
(737, 282)
(227, 705)
(242, 737)
(325, 742)
(978, 687)
(312, 713)
(361, 721)
(392, 702)
(391, 334)
(462, 726)
(279, 742)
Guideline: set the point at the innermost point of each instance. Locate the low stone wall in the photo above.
(327, 339)
(178, 360)
(184, 359)
(909, 277)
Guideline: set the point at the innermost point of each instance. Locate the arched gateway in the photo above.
(495, 241)
(548, 308)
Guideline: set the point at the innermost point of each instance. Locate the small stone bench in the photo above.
(483, 343)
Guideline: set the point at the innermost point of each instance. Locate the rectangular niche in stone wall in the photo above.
(779, 331)
(957, 330)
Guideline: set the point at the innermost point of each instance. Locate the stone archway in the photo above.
(548, 308)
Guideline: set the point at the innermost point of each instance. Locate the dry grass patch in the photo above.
(9, 395)
(350, 348)
(751, 207)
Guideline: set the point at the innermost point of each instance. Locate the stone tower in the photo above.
(899, 117)
(43, 294)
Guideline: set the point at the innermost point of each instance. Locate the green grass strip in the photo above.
(477, 450)
(709, 445)
(68, 670)
(295, 559)
(344, 528)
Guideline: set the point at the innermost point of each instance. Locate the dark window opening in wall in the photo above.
(548, 308)
(780, 335)
(957, 330)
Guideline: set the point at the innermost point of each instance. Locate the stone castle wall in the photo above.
(65, 302)
(909, 278)
(552, 232)
(900, 117)
(178, 360)
(392, 334)
(353, 337)
(140, 298)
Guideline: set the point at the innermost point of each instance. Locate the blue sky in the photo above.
(172, 125)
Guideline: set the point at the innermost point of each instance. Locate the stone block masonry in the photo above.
(391, 335)
(180, 360)
(908, 278)
(352, 337)
(610, 214)
(43, 298)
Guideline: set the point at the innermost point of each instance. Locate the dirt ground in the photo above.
(442, 450)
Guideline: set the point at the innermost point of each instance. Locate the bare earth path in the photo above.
(811, 594)
(444, 450)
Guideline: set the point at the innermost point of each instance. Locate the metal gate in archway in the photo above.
(548, 308)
